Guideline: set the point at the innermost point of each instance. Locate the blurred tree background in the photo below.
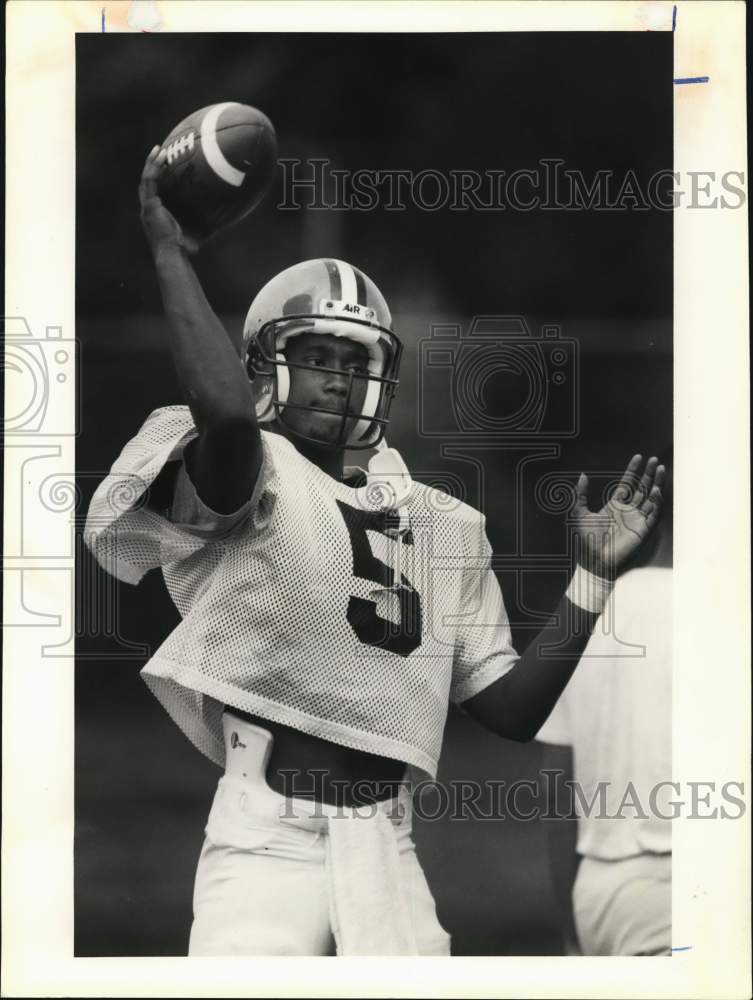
(378, 102)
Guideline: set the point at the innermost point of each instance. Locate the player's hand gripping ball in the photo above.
(218, 165)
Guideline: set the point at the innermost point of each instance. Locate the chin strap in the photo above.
(388, 472)
(389, 483)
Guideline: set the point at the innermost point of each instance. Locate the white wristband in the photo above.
(589, 591)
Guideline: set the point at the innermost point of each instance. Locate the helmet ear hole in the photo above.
(255, 363)
(262, 391)
(261, 376)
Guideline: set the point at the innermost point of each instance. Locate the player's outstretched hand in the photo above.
(607, 538)
(160, 225)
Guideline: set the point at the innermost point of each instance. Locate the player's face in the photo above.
(327, 389)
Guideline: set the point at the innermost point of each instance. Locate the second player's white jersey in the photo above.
(616, 713)
(289, 607)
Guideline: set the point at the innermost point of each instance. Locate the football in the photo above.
(219, 164)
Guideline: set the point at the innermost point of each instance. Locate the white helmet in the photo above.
(330, 297)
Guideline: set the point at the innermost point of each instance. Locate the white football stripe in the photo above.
(348, 282)
(212, 152)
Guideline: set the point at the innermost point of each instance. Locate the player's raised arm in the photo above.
(517, 704)
(224, 461)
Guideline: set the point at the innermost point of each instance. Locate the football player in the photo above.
(328, 616)
(617, 724)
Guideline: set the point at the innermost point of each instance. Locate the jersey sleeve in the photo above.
(483, 645)
(146, 512)
(188, 512)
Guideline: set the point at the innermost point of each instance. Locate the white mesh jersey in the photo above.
(285, 608)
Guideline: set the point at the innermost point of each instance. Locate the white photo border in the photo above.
(711, 730)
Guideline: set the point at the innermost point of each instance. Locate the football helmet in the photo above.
(330, 297)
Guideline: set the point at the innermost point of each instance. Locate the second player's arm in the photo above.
(224, 461)
(517, 704)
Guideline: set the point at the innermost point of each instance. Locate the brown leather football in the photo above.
(220, 163)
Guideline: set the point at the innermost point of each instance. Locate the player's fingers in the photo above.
(581, 492)
(653, 516)
(579, 506)
(150, 173)
(626, 486)
(650, 471)
(647, 479)
(147, 188)
(191, 243)
(151, 164)
(652, 501)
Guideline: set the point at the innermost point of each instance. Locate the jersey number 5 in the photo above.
(402, 637)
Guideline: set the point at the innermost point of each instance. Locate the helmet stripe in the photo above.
(211, 149)
(360, 288)
(348, 278)
(335, 284)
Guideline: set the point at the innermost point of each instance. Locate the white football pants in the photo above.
(287, 876)
(624, 907)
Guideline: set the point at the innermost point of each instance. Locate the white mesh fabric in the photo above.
(266, 596)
